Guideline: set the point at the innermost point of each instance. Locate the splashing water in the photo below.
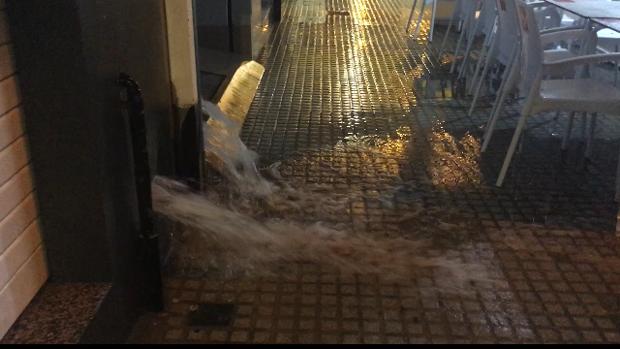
(256, 226)
(454, 162)
(225, 151)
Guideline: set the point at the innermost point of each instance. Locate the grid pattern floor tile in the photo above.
(344, 70)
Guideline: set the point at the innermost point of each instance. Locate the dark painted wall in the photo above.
(235, 25)
(69, 54)
(64, 124)
(212, 24)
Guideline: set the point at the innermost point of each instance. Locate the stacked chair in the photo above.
(546, 57)
(573, 92)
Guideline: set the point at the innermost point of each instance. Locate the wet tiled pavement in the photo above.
(344, 71)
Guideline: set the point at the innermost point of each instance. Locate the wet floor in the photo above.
(340, 73)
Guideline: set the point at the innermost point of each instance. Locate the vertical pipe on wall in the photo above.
(277, 10)
(180, 24)
(197, 111)
(149, 249)
(231, 43)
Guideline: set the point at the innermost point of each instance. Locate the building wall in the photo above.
(244, 35)
(212, 24)
(182, 52)
(212, 12)
(80, 141)
(23, 267)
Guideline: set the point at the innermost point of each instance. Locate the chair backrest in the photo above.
(547, 17)
(508, 30)
(461, 9)
(465, 8)
(531, 49)
(488, 13)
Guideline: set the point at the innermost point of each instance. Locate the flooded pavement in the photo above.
(349, 104)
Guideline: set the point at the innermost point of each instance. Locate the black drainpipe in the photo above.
(277, 10)
(149, 246)
(231, 45)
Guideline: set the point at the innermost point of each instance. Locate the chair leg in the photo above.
(618, 182)
(507, 84)
(415, 3)
(512, 147)
(569, 129)
(618, 224)
(420, 17)
(490, 127)
(616, 66)
(486, 48)
(458, 44)
(433, 14)
(590, 140)
(617, 196)
(446, 35)
(476, 75)
(470, 44)
(480, 81)
(489, 41)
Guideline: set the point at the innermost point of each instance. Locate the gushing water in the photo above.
(226, 152)
(256, 226)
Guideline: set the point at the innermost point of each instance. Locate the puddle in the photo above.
(454, 162)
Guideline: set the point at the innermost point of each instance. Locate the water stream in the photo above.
(251, 225)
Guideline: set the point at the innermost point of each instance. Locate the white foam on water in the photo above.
(226, 151)
(255, 226)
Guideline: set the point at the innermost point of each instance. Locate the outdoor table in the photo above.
(602, 12)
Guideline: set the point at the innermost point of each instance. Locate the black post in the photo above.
(149, 247)
(80, 142)
(277, 10)
(231, 42)
(189, 148)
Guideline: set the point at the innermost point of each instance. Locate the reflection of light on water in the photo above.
(446, 60)
(236, 230)
(396, 147)
(361, 43)
(380, 152)
(422, 67)
(409, 77)
(232, 231)
(452, 162)
(354, 56)
(359, 73)
(425, 25)
(360, 13)
(434, 89)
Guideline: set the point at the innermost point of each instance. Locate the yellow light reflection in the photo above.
(453, 163)
(424, 31)
(360, 13)
(396, 147)
(359, 72)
